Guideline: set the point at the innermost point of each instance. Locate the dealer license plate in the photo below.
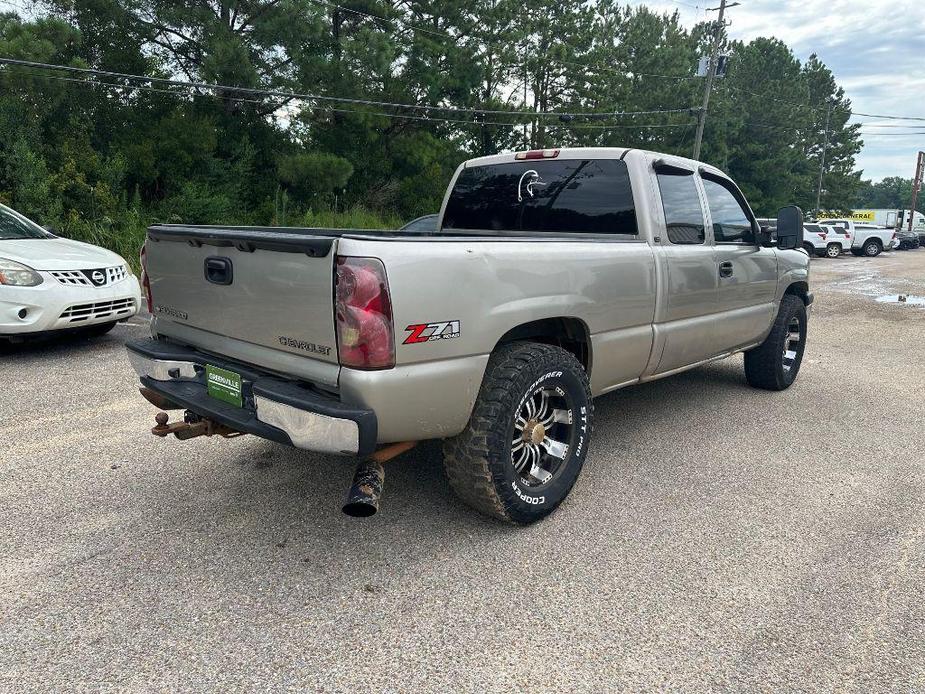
(224, 385)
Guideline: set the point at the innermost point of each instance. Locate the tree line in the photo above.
(101, 156)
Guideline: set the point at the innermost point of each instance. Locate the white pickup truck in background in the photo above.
(866, 239)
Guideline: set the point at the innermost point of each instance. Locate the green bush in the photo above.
(124, 237)
(354, 218)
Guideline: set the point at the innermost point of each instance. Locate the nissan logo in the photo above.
(98, 277)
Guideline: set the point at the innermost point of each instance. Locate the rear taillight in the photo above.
(363, 314)
(894, 234)
(145, 282)
(823, 236)
(847, 235)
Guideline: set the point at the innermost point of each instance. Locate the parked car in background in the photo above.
(837, 235)
(50, 284)
(866, 239)
(908, 240)
(425, 223)
(814, 240)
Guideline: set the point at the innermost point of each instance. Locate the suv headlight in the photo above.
(18, 275)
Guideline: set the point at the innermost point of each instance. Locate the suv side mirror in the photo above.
(790, 228)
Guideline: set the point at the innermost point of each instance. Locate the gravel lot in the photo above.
(719, 537)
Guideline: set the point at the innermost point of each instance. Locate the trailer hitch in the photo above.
(192, 426)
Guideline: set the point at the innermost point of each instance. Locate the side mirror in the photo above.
(790, 228)
(764, 237)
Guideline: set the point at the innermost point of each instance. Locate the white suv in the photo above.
(838, 240)
(49, 284)
(814, 240)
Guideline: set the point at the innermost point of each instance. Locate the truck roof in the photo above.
(593, 153)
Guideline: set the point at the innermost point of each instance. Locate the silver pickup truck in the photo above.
(554, 276)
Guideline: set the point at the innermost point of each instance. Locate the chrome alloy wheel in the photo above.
(833, 251)
(792, 343)
(542, 432)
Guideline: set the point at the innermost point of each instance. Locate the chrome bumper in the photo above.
(283, 406)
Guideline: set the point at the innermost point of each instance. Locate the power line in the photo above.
(874, 115)
(330, 109)
(910, 134)
(415, 27)
(819, 106)
(337, 99)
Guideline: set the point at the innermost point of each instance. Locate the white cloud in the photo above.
(876, 50)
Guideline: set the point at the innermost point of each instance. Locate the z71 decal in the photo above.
(428, 332)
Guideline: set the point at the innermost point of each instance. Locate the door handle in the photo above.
(725, 269)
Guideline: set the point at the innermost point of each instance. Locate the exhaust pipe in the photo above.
(363, 497)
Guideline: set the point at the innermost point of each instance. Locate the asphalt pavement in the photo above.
(719, 538)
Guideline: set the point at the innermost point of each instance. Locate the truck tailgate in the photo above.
(260, 295)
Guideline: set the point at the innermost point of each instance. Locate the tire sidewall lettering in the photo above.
(564, 382)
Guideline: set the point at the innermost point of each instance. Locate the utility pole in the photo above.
(916, 185)
(825, 147)
(711, 74)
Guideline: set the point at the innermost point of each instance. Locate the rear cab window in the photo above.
(561, 196)
(684, 220)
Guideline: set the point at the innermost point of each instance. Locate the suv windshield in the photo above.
(554, 196)
(14, 226)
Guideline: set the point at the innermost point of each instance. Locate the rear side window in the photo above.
(683, 212)
(731, 223)
(812, 227)
(558, 196)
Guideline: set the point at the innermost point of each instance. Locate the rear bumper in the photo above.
(274, 408)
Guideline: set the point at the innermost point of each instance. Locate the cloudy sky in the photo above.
(876, 50)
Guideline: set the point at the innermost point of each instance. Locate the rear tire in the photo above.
(872, 248)
(775, 363)
(528, 436)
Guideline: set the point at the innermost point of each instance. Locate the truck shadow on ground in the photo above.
(289, 501)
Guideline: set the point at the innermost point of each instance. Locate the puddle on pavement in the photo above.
(908, 299)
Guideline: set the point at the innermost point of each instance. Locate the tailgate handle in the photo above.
(218, 270)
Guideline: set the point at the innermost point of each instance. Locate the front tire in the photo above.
(775, 363)
(528, 436)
